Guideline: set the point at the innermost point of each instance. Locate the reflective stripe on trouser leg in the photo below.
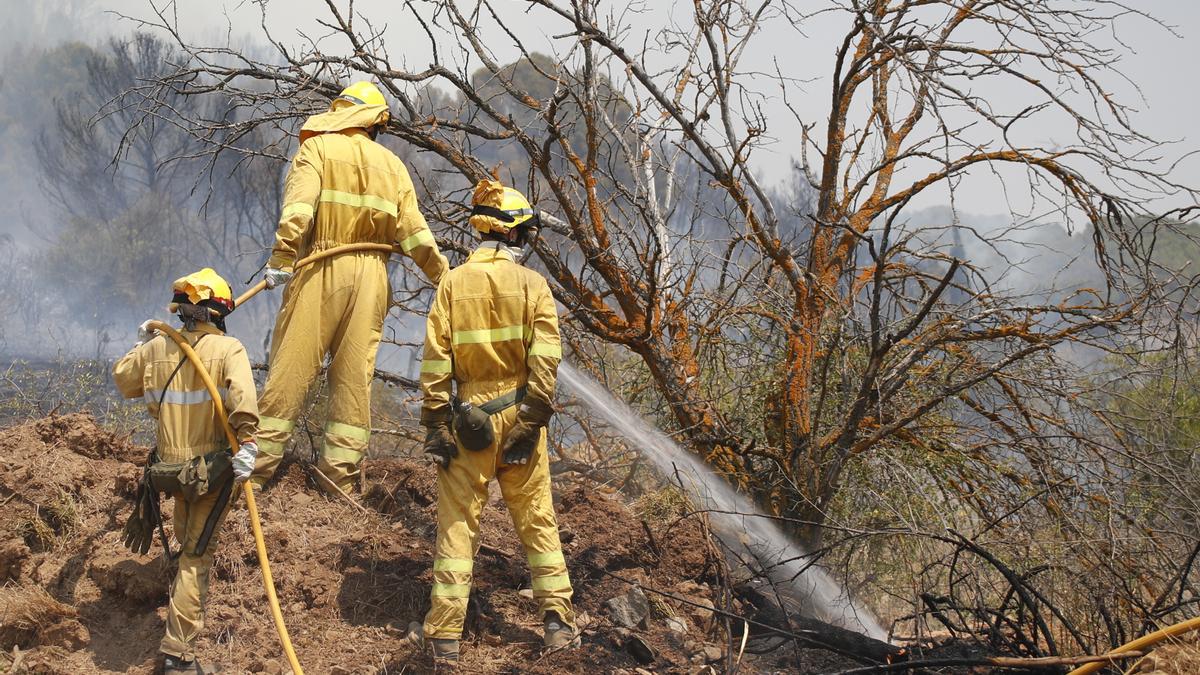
(189, 590)
(526, 490)
(462, 492)
(362, 302)
(296, 355)
(342, 451)
(273, 436)
(551, 584)
(451, 588)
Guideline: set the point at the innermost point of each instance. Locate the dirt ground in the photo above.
(73, 600)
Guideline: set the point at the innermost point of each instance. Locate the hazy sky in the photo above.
(1160, 63)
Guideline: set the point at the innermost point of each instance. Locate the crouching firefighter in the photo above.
(191, 462)
(493, 333)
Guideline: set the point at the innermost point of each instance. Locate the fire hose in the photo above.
(315, 257)
(255, 525)
(251, 505)
(1141, 643)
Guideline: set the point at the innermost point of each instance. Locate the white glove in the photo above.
(276, 277)
(144, 333)
(243, 461)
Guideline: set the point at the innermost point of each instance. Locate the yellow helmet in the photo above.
(496, 208)
(362, 93)
(205, 288)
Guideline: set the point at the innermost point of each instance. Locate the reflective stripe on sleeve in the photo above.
(361, 201)
(273, 448)
(555, 583)
(436, 366)
(546, 349)
(176, 397)
(296, 208)
(267, 423)
(421, 237)
(466, 337)
(546, 559)
(452, 565)
(348, 430)
(451, 591)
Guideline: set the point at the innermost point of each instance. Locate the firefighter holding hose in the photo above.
(493, 333)
(192, 461)
(342, 188)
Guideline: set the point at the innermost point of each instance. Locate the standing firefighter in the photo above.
(493, 330)
(343, 188)
(192, 461)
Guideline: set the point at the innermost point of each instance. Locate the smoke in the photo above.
(103, 215)
(92, 246)
(1026, 258)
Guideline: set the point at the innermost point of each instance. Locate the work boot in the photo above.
(556, 634)
(174, 665)
(445, 652)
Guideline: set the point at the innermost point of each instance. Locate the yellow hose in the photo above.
(319, 255)
(1087, 669)
(1144, 641)
(251, 506)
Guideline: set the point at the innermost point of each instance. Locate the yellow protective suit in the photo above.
(493, 327)
(187, 428)
(343, 188)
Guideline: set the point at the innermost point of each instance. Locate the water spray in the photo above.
(734, 516)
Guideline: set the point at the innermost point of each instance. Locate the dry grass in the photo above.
(53, 524)
(31, 390)
(663, 505)
(63, 513)
(1179, 657)
(229, 563)
(25, 611)
(38, 535)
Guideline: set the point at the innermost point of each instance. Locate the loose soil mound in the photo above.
(73, 600)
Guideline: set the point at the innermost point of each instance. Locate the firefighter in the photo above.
(191, 461)
(488, 375)
(343, 188)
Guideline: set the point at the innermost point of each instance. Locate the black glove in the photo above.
(440, 446)
(521, 441)
(138, 534)
(523, 438)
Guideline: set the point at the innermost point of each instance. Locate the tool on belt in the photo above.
(473, 423)
(188, 480)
